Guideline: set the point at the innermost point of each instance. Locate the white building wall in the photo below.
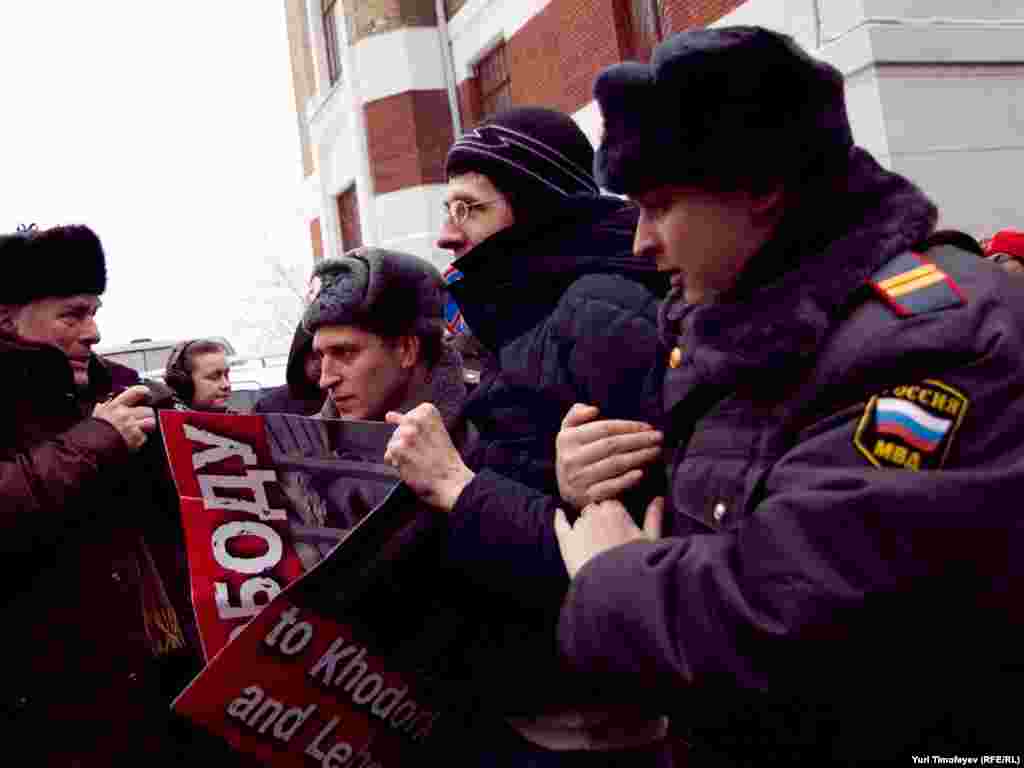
(410, 220)
(377, 67)
(398, 61)
(933, 90)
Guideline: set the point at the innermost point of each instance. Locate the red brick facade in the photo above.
(555, 57)
(469, 102)
(408, 136)
(678, 15)
(316, 240)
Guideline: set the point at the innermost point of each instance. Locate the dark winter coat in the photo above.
(570, 316)
(555, 305)
(82, 685)
(829, 598)
(298, 396)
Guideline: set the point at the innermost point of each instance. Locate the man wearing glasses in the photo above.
(545, 279)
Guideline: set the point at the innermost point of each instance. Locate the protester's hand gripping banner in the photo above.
(352, 664)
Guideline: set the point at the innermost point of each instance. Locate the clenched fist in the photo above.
(426, 458)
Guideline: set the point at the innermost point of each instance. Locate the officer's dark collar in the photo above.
(777, 315)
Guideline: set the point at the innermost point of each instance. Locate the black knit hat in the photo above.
(62, 261)
(389, 293)
(534, 156)
(722, 108)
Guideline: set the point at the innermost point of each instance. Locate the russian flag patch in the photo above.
(911, 426)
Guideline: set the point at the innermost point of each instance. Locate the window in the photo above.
(348, 219)
(643, 22)
(494, 82)
(314, 236)
(331, 39)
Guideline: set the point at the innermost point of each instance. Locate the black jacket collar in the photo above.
(515, 278)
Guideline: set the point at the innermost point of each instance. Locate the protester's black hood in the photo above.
(299, 386)
(515, 278)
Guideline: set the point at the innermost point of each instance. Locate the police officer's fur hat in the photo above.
(389, 293)
(724, 108)
(62, 261)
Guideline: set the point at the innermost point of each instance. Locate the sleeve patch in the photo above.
(911, 426)
(911, 285)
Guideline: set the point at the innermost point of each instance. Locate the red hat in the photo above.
(1008, 241)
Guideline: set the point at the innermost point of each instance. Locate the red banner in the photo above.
(350, 665)
(296, 685)
(240, 549)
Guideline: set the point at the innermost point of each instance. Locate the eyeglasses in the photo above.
(458, 210)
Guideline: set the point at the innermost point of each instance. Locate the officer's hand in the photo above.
(601, 527)
(426, 459)
(598, 460)
(131, 420)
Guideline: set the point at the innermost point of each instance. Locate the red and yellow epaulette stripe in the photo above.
(911, 285)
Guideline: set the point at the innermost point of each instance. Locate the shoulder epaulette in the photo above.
(910, 285)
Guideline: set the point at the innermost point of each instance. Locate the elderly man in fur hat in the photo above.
(842, 411)
(92, 633)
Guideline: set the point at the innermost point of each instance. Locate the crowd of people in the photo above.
(729, 490)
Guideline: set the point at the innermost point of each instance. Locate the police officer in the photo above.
(842, 412)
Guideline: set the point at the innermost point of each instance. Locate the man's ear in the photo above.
(408, 350)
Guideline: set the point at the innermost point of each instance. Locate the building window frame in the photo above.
(350, 225)
(644, 21)
(493, 80)
(331, 46)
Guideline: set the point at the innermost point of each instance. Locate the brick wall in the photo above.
(678, 15)
(556, 55)
(553, 61)
(408, 135)
(469, 102)
(316, 241)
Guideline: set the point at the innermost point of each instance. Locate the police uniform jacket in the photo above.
(846, 463)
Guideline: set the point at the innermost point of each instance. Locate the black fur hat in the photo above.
(723, 108)
(62, 261)
(389, 293)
